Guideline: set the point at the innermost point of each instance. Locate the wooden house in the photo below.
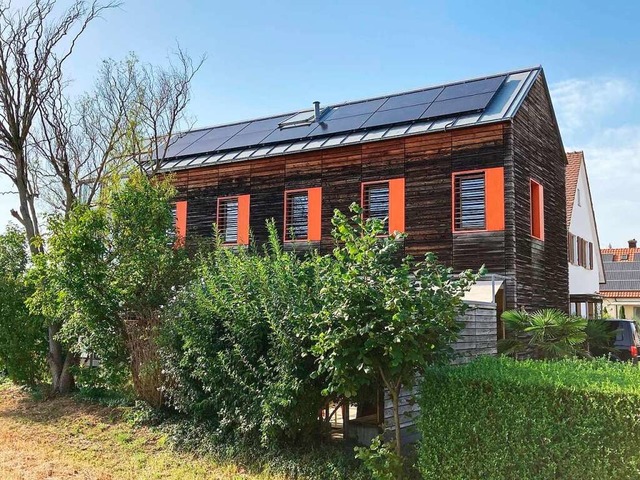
(473, 171)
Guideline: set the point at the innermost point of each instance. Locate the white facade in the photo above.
(583, 281)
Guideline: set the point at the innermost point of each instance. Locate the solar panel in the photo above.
(214, 138)
(455, 106)
(488, 85)
(413, 112)
(397, 115)
(340, 125)
(409, 99)
(245, 140)
(353, 109)
(265, 124)
(179, 143)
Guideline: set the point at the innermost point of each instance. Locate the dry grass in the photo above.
(63, 439)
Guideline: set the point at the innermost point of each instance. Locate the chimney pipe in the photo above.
(633, 243)
(316, 111)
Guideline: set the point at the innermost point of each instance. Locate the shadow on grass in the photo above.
(29, 405)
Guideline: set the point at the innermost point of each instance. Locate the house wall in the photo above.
(631, 307)
(427, 163)
(539, 268)
(582, 280)
(527, 148)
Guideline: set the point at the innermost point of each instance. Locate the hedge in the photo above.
(497, 418)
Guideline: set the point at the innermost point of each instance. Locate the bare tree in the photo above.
(131, 117)
(80, 144)
(34, 45)
(160, 114)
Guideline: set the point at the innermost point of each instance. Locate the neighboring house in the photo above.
(473, 171)
(586, 270)
(622, 288)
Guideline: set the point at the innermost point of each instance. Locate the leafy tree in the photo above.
(106, 274)
(547, 333)
(384, 317)
(622, 313)
(22, 336)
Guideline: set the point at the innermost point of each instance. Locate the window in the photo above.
(578, 196)
(385, 201)
(470, 201)
(302, 214)
(478, 200)
(537, 210)
(233, 219)
(375, 201)
(228, 219)
(580, 251)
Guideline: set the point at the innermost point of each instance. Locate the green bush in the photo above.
(22, 336)
(497, 418)
(233, 349)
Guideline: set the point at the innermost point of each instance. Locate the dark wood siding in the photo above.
(529, 146)
(425, 161)
(540, 267)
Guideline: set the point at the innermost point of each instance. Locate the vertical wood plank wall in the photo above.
(477, 338)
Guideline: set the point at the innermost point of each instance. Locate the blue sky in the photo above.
(268, 57)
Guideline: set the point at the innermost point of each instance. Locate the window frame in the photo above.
(540, 217)
(221, 200)
(286, 212)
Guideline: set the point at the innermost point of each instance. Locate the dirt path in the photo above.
(63, 439)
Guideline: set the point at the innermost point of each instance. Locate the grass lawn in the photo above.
(64, 438)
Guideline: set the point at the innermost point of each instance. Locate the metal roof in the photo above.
(462, 104)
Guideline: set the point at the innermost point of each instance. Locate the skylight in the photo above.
(299, 119)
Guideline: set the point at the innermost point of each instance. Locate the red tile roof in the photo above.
(618, 252)
(574, 161)
(620, 294)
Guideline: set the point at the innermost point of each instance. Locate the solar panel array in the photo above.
(427, 104)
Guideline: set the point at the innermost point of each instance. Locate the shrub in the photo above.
(233, 346)
(501, 419)
(22, 336)
(547, 333)
(303, 462)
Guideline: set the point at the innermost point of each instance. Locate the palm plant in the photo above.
(544, 334)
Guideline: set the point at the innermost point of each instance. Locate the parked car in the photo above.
(624, 343)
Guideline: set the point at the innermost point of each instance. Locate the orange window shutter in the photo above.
(494, 198)
(315, 214)
(396, 205)
(243, 219)
(181, 220)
